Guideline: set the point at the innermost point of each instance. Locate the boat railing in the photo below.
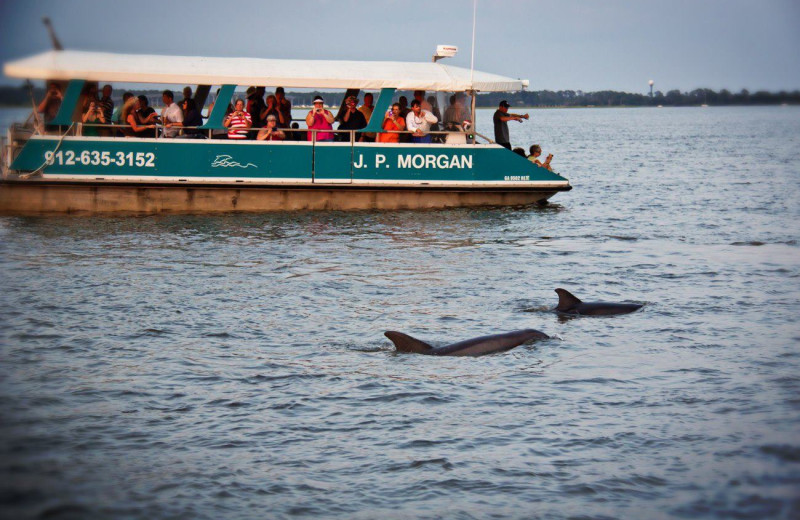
(439, 136)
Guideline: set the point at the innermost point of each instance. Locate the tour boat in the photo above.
(65, 171)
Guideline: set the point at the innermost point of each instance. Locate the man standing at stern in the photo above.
(501, 119)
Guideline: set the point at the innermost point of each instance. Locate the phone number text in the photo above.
(97, 158)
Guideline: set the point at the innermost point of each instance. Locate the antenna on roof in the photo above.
(53, 38)
(472, 61)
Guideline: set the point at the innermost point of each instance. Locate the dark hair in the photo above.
(396, 105)
(415, 103)
(279, 90)
(143, 99)
(190, 104)
(403, 99)
(453, 99)
(169, 94)
(519, 151)
(535, 148)
(126, 96)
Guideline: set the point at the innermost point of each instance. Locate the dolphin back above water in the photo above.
(471, 347)
(570, 304)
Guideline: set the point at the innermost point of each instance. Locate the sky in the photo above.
(584, 45)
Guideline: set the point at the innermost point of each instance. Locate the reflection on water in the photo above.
(208, 367)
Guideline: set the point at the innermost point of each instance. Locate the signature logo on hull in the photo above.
(226, 161)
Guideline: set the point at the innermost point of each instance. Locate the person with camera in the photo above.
(93, 116)
(318, 118)
(536, 151)
(352, 119)
(392, 122)
(238, 121)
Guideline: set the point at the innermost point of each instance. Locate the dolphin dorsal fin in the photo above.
(566, 300)
(405, 343)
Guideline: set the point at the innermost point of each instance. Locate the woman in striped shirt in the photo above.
(238, 120)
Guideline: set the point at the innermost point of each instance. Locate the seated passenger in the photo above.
(271, 131)
(140, 119)
(237, 121)
(351, 119)
(93, 116)
(393, 122)
(519, 151)
(191, 118)
(171, 115)
(536, 151)
(419, 122)
(318, 118)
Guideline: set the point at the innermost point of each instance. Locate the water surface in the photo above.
(234, 366)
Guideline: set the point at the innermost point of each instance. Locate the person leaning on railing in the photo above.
(392, 122)
(419, 122)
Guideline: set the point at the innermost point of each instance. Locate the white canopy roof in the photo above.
(198, 70)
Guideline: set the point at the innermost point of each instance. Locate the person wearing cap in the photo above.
(419, 123)
(318, 118)
(271, 132)
(501, 119)
(352, 119)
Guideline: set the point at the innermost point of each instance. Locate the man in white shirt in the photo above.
(170, 115)
(419, 122)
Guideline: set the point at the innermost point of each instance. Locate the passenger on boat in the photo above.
(352, 119)
(191, 120)
(171, 115)
(50, 105)
(187, 94)
(501, 119)
(318, 118)
(106, 103)
(367, 110)
(519, 151)
(237, 121)
(435, 111)
(456, 114)
(93, 116)
(404, 110)
(256, 105)
(536, 151)
(116, 116)
(128, 110)
(142, 118)
(88, 94)
(271, 132)
(271, 109)
(218, 133)
(419, 122)
(392, 122)
(419, 95)
(284, 107)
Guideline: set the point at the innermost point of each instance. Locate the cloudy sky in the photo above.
(556, 44)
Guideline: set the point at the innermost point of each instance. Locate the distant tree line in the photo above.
(20, 96)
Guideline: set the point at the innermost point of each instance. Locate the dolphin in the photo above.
(569, 304)
(471, 347)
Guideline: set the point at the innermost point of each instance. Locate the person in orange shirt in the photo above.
(393, 122)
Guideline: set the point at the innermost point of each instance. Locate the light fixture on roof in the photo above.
(444, 51)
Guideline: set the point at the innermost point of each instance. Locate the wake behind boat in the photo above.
(62, 169)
